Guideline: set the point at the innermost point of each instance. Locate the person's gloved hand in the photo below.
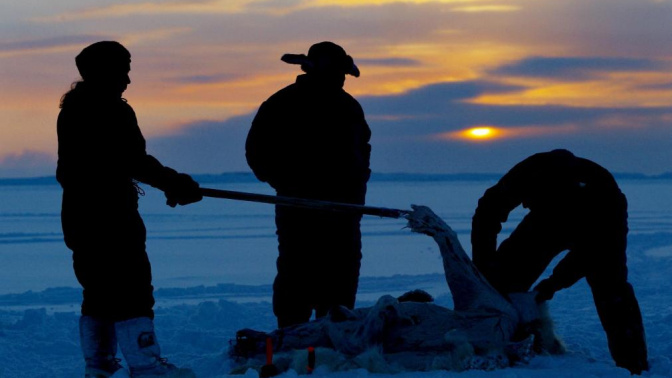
(183, 191)
(545, 290)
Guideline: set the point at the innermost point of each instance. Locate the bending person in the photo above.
(310, 140)
(574, 204)
(101, 157)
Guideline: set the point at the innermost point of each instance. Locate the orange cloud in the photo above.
(148, 8)
(487, 8)
(358, 3)
(241, 6)
(599, 93)
(212, 59)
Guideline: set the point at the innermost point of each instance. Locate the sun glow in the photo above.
(480, 132)
(485, 133)
(475, 134)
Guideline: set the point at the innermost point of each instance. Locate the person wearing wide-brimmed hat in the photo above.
(311, 140)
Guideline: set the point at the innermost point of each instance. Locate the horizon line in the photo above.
(246, 177)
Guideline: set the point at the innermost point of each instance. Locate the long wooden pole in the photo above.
(305, 203)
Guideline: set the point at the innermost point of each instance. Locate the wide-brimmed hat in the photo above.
(326, 55)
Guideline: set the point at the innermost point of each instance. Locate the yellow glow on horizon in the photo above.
(487, 133)
(477, 133)
(481, 132)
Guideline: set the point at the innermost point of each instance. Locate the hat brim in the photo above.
(303, 60)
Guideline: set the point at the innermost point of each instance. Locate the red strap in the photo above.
(269, 351)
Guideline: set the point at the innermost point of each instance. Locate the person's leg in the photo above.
(115, 274)
(99, 346)
(132, 307)
(526, 253)
(340, 261)
(142, 352)
(293, 287)
(113, 268)
(621, 319)
(603, 240)
(615, 299)
(116, 282)
(289, 305)
(120, 289)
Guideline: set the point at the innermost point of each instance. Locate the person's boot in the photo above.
(99, 346)
(137, 341)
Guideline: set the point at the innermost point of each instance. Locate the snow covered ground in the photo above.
(213, 263)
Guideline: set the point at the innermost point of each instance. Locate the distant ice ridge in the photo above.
(248, 177)
(230, 291)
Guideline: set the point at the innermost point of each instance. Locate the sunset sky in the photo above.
(594, 77)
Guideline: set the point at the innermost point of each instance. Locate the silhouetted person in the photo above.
(101, 157)
(310, 140)
(574, 204)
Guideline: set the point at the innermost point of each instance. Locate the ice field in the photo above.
(213, 264)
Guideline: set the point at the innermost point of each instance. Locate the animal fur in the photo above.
(484, 330)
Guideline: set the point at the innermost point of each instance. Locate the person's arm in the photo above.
(493, 210)
(260, 146)
(364, 145)
(568, 271)
(179, 188)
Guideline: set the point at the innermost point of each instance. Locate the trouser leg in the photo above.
(116, 282)
(290, 305)
(605, 242)
(110, 262)
(621, 319)
(297, 247)
(318, 263)
(340, 264)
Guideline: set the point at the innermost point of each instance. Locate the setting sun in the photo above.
(480, 132)
(477, 133)
(483, 133)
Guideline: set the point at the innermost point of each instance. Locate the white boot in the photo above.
(99, 345)
(138, 344)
